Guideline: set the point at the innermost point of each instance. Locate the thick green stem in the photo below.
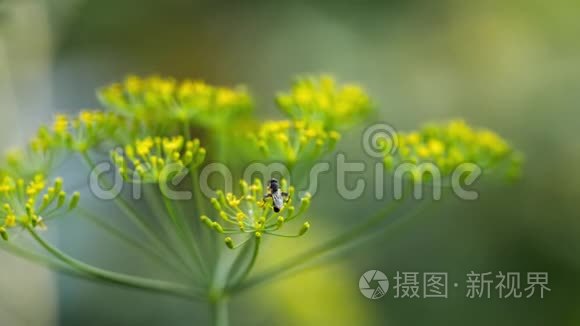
(61, 267)
(187, 129)
(219, 311)
(147, 284)
(217, 294)
(196, 191)
(250, 265)
(38, 259)
(220, 144)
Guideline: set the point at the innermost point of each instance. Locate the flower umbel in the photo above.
(321, 99)
(292, 141)
(163, 104)
(83, 132)
(31, 160)
(446, 146)
(66, 134)
(252, 213)
(31, 203)
(152, 159)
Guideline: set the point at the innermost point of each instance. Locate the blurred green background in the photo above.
(512, 66)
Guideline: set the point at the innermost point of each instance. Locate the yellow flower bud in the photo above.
(304, 229)
(229, 242)
(74, 201)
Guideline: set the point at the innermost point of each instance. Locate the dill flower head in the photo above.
(252, 213)
(82, 132)
(446, 146)
(31, 203)
(159, 103)
(292, 141)
(321, 99)
(51, 143)
(42, 153)
(30, 160)
(152, 159)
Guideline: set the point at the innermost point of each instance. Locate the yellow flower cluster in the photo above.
(292, 141)
(29, 161)
(161, 102)
(80, 133)
(448, 145)
(152, 159)
(252, 213)
(83, 132)
(321, 99)
(51, 143)
(32, 202)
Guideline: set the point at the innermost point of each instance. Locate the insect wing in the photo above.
(278, 199)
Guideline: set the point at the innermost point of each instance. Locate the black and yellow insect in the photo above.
(277, 195)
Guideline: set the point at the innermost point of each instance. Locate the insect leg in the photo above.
(285, 194)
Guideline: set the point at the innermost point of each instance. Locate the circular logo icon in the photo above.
(380, 139)
(373, 284)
